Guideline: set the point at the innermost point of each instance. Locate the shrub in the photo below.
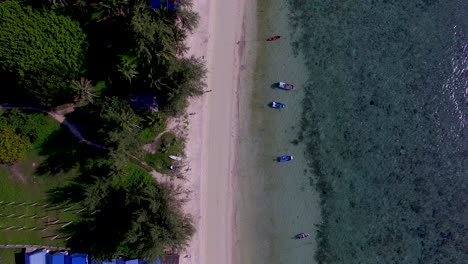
(13, 147)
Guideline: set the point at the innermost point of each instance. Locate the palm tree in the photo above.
(128, 67)
(59, 2)
(85, 90)
(186, 18)
(111, 8)
(154, 36)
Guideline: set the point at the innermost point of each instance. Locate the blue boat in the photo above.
(277, 105)
(284, 158)
(174, 168)
(302, 235)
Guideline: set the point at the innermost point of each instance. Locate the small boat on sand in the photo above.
(302, 235)
(174, 168)
(285, 86)
(175, 158)
(277, 105)
(284, 158)
(273, 38)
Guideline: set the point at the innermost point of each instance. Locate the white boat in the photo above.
(175, 158)
(286, 86)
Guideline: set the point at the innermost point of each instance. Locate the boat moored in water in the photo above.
(277, 105)
(273, 38)
(302, 235)
(284, 158)
(286, 86)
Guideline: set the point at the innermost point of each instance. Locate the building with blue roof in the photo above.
(119, 261)
(36, 257)
(58, 258)
(79, 259)
(169, 4)
(136, 261)
(110, 262)
(44, 257)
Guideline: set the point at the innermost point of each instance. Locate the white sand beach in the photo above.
(212, 141)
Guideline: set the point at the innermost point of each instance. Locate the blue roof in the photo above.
(57, 258)
(79, 259)
(158, 261)
(171, 5)
(119, 261)
(133, 261)
(157, 4)
(37, 257)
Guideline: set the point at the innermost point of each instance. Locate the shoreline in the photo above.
(278, 201)
(212, 142)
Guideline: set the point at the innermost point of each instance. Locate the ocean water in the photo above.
(379, 127)
(276, 200)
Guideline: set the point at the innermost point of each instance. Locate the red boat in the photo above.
(273, 38)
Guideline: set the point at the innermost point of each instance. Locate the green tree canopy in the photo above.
(115, 119)
(43, 50)
(13, 147)
(128, 214)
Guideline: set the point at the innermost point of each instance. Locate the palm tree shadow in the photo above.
(66, 195)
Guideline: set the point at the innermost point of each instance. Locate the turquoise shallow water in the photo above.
(379, 126)
(276, 201)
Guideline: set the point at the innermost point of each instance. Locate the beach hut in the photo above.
(136, 261)
(35, 257)
(169, 4)
(79, 259)
(57, 258)
(144, 103)
(110, 262)
(119, 261)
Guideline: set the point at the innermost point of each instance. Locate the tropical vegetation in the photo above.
(40, 51)
(97, 59)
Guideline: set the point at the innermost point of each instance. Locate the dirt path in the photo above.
(174, 125)
(59, 116)
(16, 172)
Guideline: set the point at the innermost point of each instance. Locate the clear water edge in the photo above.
(382, 109)
(276, 201)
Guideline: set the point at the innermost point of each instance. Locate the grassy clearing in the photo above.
(155, 123)
(7, 256)
(167, 145)
(25, 215)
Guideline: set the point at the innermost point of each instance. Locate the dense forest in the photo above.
(122, 67)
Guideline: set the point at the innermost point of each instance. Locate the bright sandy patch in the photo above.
(212, 141)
